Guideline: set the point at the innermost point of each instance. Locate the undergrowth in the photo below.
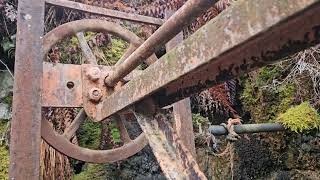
(89, 134)
(92, 171)
(263, 100)
(4, 153)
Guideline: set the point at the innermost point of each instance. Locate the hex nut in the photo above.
(95, 94)
(94, 73)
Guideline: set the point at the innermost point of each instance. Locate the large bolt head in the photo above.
(95, 94)
(94, 73)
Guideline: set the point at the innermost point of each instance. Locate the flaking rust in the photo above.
(205, 59)
(175, 160)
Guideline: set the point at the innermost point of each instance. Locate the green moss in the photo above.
(7, 100)
(4, 154)
(300, 118)
(4, 162)
(263, 101)
(198, 121)
(89, 134)
(92, 171)
(115, 51)
(115, 133)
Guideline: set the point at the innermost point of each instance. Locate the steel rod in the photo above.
(106, 12)
(241, 39)
(189, 11)
(26, 121)
(219, 130)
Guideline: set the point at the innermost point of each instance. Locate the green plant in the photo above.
(92, 171)
(115, 132)
(89, 134)
(262, 99)
(300, 118)
(199, 121)
(114, 51)
(4, 153)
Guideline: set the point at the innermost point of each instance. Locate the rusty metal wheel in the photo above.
(62, 142)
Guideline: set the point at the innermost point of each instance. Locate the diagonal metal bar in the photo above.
(188, 12)
(246, 36)
(70, 131)
(26, 121)
(106, 12)
(88, 54)
(174, 158)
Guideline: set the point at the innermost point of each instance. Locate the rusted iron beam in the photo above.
(246, 36)
(174, 158)
(219, 130)
(182, 109)
(106, 12)
(188, 12)
(26, 121)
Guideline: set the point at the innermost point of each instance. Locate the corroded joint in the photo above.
(94, 73)
(95, 94)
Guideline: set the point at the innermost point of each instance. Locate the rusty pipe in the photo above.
(219, 130)
(174, 25)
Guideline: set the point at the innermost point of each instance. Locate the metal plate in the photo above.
(61, 85)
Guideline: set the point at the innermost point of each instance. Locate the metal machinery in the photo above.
(244, 37)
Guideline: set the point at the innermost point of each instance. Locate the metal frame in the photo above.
(239, 40)
(248, 35)
(26, 120)
(106, 12)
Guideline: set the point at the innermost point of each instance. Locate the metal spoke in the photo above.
(124, 135)
(90, 58)
(74, 126)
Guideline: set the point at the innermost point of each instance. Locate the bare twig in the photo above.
(7, 68)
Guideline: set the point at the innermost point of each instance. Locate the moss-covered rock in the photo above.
(300, 118)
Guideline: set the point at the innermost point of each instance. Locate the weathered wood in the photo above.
(244, 37)
(106, 12)
(182, 109)
(26, 121)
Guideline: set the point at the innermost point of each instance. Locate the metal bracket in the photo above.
(69, 85)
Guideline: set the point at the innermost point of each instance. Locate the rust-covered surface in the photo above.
(175, 24)
(182, 109)
(63, 145)
(244, 37)
(106, 12)
(25, 136)
(62, 85)
(175, 160)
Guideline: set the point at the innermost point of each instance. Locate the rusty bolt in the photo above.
(94, 73)
(95, 94)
